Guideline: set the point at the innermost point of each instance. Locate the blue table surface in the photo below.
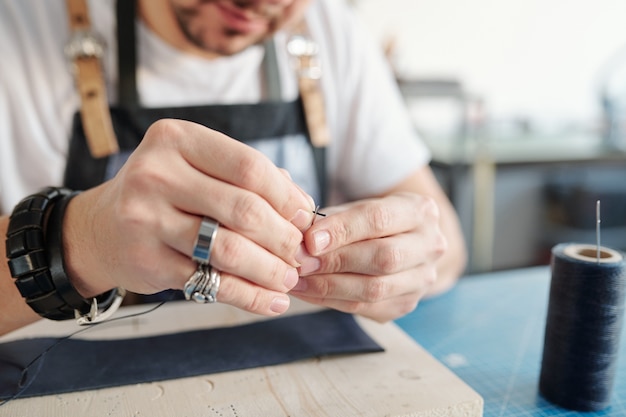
(489, 331)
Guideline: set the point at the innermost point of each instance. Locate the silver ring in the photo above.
(204, 240)
(203, 285)
(193, 281)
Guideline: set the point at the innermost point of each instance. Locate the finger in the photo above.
(238, 210)
(365, 288)
(381, 312)
(371, 219)
(219, 156)
(247, 296)
(241, 257)
(383, 256)
(232, 253)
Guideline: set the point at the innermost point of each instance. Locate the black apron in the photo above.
(268, 120)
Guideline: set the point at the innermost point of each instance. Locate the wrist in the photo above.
(82, 263)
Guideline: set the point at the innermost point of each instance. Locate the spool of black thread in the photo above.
(583, 326)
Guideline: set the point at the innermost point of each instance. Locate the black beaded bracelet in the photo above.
(34, 249)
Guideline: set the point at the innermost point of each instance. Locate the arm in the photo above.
(378, 257)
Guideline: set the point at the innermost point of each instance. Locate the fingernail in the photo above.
(308, 265)
(301, 286)
(321, 240)
(302, 219)
(279, 305)
(291, 278)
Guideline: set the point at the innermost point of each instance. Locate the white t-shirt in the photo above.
(374, 145)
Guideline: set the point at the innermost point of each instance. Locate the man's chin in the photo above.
(232, 44)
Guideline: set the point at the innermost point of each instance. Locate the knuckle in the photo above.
(380, 218)
(247, 211)
(375, 290)
(340, 233)
(388, 259)
(163, 132)
(142, 174)
(249, 298)
(228, 251)
(334, 262)
(353, 307)
(289, 243)
(252, 170)
(325, 288)
(142, 177)
(285, 173)
(277, 275)
(441, 245)
(407, 306)
(430, 276)
(256, 303)
(430, 209)
(322, 287)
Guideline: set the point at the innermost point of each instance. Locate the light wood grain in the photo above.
(405, 380)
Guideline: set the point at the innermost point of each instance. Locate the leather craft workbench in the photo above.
(404, 380)
(488, 331)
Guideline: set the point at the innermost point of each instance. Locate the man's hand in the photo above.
(138, 230)
(375, 257)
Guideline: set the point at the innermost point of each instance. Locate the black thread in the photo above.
(25, 381)
(583, 327)
(316, 213)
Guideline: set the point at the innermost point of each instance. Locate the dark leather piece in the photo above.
(77, 365)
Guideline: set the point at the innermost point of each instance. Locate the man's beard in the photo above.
(184, 15)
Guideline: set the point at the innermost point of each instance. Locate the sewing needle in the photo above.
(316, 213)
(598, 231)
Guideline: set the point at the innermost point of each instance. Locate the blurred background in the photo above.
(523, 104)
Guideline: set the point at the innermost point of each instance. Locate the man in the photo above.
(390, 235)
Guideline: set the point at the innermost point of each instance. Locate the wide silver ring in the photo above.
(204, 241)
(203, 285)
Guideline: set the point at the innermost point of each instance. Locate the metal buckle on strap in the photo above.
(95, 315)
(305, 50)
(84, 44)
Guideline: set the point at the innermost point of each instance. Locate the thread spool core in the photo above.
(589, 253)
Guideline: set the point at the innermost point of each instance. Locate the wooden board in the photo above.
(405, 380)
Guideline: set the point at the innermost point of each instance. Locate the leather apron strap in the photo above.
(85, 49)
(304, 50)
